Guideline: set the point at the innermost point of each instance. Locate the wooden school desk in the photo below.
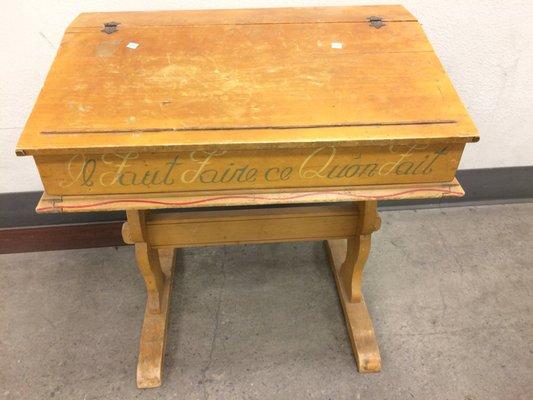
(310, 114)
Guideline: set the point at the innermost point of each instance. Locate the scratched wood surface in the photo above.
(272, 78)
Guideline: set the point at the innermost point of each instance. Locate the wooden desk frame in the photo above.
(345, 218)
(347, 228)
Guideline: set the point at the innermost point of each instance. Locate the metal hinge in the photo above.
(110, 27)
(376, 22)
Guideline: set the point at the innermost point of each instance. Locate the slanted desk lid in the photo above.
(153, 81)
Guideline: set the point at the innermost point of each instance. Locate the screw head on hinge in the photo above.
(110, 27)
(376, 22)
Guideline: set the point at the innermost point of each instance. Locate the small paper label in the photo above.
(132, 45)
(336, 45)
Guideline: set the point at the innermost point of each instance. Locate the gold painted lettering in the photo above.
(307, 171)
(191, 175)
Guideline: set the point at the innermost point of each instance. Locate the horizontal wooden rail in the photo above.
(265, 225)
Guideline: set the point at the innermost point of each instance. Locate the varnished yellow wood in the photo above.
(358, 248)
(172, 230)
(149, 265)
(137, 222)
(246, 107)
(154, 330)
(354, 221)
(351, 271)
(201, 228)
(360, 328)
(147, 260)
(232, 80)
(156, 268)
(50, 204)
(251, 170)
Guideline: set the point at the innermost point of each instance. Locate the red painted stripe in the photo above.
(211, 199)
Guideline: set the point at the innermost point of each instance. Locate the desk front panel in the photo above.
(215, 170)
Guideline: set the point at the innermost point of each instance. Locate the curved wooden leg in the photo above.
(154, 330)
(351, 270)
(347, 259)
(150, 267)
(157, 269)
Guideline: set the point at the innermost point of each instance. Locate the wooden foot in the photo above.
(360, 329)
(154, 330)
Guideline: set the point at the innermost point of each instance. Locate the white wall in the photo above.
(486, 47)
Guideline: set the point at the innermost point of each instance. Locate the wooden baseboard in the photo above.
(60, 237)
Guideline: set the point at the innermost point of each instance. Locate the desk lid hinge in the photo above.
(376, 22)
(110, 27)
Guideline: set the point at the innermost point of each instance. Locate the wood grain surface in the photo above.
(244, 79)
